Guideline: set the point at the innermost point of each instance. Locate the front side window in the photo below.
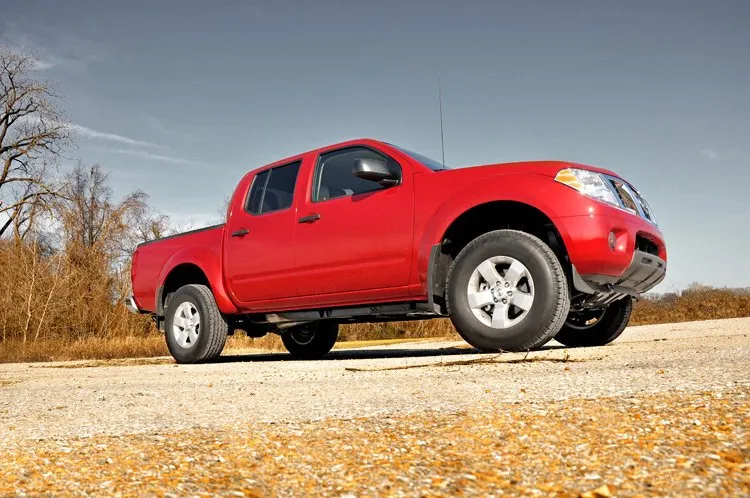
(429, 162)
(334, 174)
(273, 190)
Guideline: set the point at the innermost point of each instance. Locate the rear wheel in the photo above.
(310, 341)
(195, 329)
(507, 292)
(596, 327)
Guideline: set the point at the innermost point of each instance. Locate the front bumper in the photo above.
(643, 274)
(602, 272)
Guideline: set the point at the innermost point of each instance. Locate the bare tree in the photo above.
(92, 218)
(148, 225)
(32, 137)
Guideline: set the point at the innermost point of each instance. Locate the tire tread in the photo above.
(217, 328)
(562, 304)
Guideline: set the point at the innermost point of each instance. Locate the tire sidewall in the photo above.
(610, 327)
(542, 308)
(325, 335)
(194, 353)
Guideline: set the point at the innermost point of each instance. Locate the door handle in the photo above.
(241, 232)
(310, 218)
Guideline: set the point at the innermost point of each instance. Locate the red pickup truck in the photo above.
(363, 231)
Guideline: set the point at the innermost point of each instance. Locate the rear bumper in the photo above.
(131, 305)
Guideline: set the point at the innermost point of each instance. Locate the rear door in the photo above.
(258, 251)
(353, 234)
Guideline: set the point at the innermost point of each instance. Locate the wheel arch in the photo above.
(480, 218)
(193, 266)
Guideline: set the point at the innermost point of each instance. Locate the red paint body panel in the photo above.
(375, 247)
(156, 260)
(361, 242)
(255, 264)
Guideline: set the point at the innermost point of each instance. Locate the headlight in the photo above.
(588, 183)
(646, 208)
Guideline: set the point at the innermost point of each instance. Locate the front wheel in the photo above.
(596, 327)
(310, 341)
(507, 291)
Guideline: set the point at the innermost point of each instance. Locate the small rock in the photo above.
(600, 492)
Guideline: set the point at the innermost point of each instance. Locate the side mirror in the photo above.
(374, 170)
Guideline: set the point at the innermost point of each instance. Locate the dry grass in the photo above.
(92, 348)
(399, 330)
(692, 305)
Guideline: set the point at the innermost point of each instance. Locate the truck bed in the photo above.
(152, 258)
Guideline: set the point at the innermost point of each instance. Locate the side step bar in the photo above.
(402, 311)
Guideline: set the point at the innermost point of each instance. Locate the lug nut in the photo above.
(504, 301)
(507, 284)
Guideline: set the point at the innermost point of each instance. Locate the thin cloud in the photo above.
(111, 137)
(710, 154)
(42, 65)
(165, 130)
(144, 154)
(87, 132)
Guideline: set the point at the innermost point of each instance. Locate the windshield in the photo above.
(430, 163)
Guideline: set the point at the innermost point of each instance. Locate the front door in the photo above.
(258, 251)
(353, 234)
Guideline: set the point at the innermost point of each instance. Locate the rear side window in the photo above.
(273, 190)
(256, 193)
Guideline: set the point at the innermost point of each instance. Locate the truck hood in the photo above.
(545, 168)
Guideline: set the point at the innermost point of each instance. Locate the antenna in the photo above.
(440, 104)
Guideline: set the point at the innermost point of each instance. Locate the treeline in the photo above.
(65, 240)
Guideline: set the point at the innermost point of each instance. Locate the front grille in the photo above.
(625, 195)
(645, 245)
(630, 199)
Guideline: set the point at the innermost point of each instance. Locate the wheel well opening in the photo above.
(180, 275)
(498, 215)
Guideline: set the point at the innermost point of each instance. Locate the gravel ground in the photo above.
(662, 411)
(672, 444)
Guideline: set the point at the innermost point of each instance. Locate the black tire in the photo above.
(212, 329)
(608, 328)
(550, 304)
(310, 341)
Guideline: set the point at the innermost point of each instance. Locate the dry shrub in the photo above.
(692, 305)
(50, 301)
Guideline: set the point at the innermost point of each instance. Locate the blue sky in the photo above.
(181, 98)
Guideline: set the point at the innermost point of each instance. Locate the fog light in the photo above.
(612, 239)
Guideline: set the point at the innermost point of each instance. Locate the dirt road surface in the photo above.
(662, 411)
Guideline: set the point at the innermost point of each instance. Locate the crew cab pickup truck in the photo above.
(363, 231)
